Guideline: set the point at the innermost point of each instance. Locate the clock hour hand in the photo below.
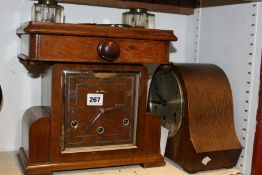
(101, 111)
(160, 100)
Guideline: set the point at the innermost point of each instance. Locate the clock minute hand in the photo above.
(160, 98)
(159, 102)
(102, 111)
(156, 102)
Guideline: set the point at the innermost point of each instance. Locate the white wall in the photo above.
(20, 91)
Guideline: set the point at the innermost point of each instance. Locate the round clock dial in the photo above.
(166, 98)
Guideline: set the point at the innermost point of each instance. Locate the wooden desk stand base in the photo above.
(33, 164)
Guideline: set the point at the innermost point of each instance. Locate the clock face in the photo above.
(100, 110)
(166, 99)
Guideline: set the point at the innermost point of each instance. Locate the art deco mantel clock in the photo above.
(194, 101)
(93, 111)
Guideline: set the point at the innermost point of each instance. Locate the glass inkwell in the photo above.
(48, 11)
(139, 17)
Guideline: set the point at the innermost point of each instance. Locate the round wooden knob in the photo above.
(108, 50)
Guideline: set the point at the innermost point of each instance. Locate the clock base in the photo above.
(147, 161)
(35, 157)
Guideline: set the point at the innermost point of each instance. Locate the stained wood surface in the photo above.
(36, 134)
(52, 42)
(207, 128)
(185, 7)
(90, 30)
(39, 169)
(84, 49)
(160, 6)
(147, 152)
(212, 3)
(210, 108)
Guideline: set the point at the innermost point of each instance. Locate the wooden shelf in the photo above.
(185, 7)
(168, 7)
(211, 3)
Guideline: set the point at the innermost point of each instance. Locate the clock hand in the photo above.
(159, 102)
(161, 99)
(102, 111)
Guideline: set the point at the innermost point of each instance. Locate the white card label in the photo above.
(206, 160)
(95, 99)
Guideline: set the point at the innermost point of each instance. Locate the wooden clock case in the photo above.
(194, 102)
(206, 139)
(51, 50)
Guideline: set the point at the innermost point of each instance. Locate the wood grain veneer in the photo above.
(51, 42)
(177, 6)
(36, 134)
(207, 129)
(41, 151)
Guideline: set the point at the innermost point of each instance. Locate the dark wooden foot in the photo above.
(24, 164)
(153, 164)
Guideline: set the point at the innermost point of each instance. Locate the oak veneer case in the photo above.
(206, 138)
(66, 133)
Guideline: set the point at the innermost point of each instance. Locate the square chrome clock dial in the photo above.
(101, 109)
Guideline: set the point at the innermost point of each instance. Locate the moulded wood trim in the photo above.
(32, 27)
